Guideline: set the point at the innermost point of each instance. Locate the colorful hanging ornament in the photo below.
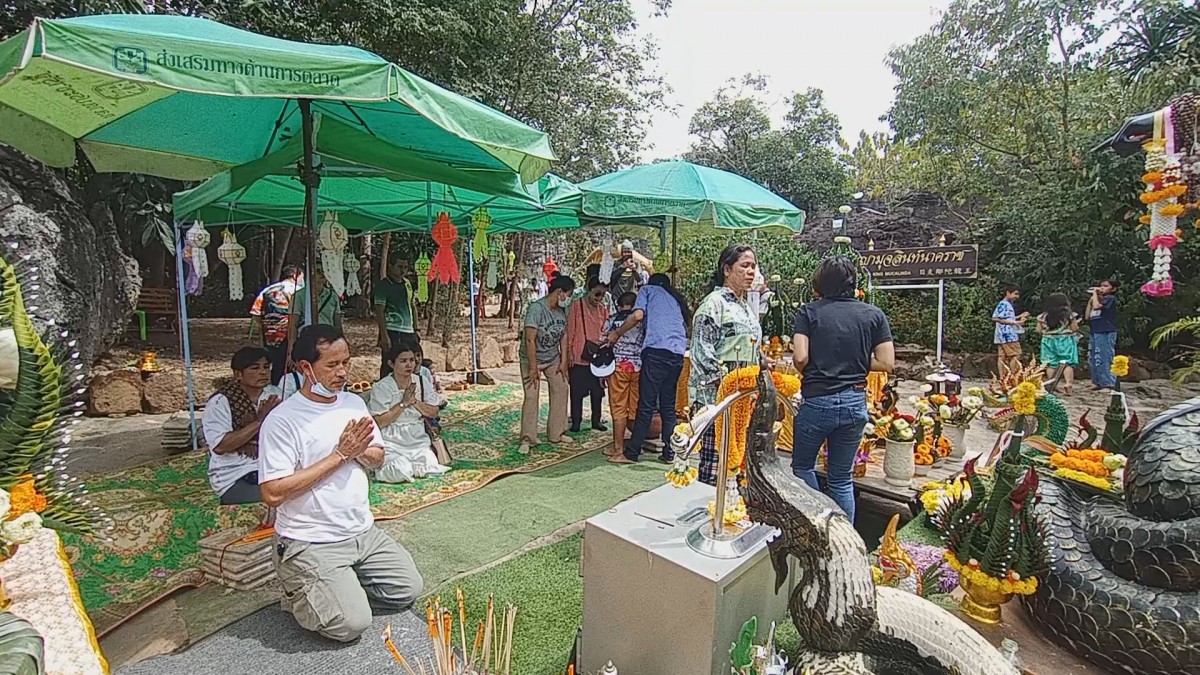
(444, 266)
(1164, 187)
(481, 220)
(232, 254)
(195, 242)
(606, 259)
(331, 240)
(549, 267)
(423, 266)
(512, 262)
(495, 254)
(351, 265)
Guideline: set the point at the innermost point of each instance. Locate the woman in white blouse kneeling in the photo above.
(401, 404)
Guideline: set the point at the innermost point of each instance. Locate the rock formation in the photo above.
(88, 284)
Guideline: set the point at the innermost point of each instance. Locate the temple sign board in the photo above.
(923, 268)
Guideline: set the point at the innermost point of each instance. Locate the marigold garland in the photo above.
(1120, 366)
(1013, 584)
(741, 380)
(1081, 477)
(1024, 399)
(1090, 467)
(734, 513)
(24, 498)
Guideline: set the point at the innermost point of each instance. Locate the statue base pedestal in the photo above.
(652, 604)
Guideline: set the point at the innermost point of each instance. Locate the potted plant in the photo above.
(898, 433)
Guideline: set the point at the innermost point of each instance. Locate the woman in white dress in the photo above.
(401, 403)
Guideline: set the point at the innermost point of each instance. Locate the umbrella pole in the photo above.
(185, 338)
(474, 375)
(674, 246)
(311, 182)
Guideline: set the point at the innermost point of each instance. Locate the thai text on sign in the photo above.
(959, 261)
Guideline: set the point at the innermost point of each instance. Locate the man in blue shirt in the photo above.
(1009, 326)
(666, 318)
(1102, 316)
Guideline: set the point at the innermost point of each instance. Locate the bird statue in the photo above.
(846, 623)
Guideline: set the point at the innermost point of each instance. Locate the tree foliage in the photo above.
(800, 160)
(1001, 105)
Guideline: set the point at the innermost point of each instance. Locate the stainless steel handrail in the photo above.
(684, 444)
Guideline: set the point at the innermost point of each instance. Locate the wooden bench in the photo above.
(154, 302)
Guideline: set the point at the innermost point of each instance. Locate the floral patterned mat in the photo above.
(165, 508)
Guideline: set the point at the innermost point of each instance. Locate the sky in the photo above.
(838, 46)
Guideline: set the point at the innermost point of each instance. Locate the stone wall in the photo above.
(88, 284)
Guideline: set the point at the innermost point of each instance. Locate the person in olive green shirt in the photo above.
(394, 313)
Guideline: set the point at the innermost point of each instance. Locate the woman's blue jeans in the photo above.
(837, 419)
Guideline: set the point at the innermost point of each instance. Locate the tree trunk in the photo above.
(280, 254)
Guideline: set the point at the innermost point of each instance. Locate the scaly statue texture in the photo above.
(846, 624)
(1122, 586)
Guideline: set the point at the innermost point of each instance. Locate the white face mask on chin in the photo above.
(318, 388)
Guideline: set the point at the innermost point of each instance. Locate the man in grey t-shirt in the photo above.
(540, 346)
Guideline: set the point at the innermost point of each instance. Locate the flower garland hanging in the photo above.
(232, 254)
(444, 266)
(606, 259)
(196, 241)
(741, 380)
(332, 239)
(423, 266)
(351, 265)
(1164, 187)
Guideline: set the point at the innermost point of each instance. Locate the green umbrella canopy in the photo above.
(185, 98)
(689, 192)
(384, 197)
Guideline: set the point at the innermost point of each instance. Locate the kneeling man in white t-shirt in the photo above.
(313, 452)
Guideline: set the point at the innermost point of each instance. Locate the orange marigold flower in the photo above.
(1152, 177)
(1171, 210)
(24, 498)
(1144, 219)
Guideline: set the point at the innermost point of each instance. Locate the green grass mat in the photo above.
(163, 509)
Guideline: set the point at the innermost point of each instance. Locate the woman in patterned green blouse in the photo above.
(725, 335)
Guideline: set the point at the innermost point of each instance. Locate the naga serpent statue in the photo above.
(1122, 586)
(847, 624)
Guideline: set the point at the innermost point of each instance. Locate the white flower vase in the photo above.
(957, 437)
(898, 464)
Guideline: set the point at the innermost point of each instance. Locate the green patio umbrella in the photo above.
(683, 191)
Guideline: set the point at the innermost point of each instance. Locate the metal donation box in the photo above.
(653, 605)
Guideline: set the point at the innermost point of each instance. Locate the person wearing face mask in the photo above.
(403, 403)
(333, 563)
(585, 324)
(232, 419)
(543, 355)
(726, 335)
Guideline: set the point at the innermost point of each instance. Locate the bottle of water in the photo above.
(1008, 649)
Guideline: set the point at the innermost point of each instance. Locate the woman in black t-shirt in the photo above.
(838, 340)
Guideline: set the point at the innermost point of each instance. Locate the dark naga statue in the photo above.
(1123, 580)
(847, 625)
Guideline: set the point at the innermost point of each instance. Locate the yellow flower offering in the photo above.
(682, 475)
(1024, 399)
(1120, 366)
(1081, 477)
(741, 380)
(1012, 583)
(24, 498)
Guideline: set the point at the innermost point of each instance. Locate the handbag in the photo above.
(589, 350)
(433, 428)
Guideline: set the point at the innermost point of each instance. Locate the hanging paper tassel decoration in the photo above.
(606, 259)
(232, 254)
(423, 266)
(351, 265)
(549, 267)
(331, 240)
(444, 267)
(195, 242)
(481, 220)
(494, 255)
(512, 262)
